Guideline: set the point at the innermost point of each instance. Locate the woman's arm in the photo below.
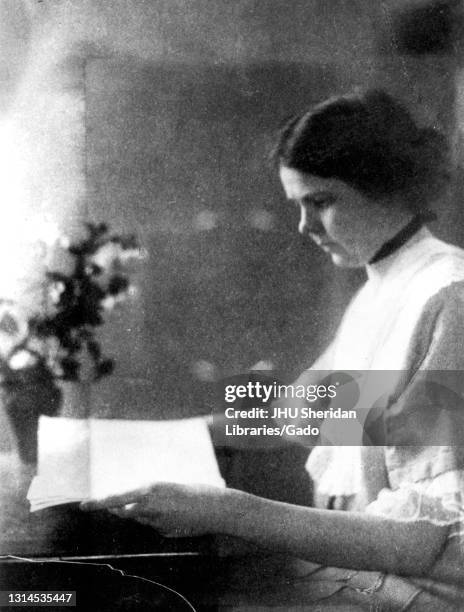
(328, 537)
(336, 538)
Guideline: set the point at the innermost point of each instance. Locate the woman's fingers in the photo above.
(137, 512)
(172, 509)
(114, 501)
(127, 511)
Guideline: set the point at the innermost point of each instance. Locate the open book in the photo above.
(79, 458)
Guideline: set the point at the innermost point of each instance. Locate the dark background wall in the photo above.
(179, 151)
(178, 145)
(157, 117)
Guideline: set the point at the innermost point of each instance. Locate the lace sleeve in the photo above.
(424, 455)
(439, 500)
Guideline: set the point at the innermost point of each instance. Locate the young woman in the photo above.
(386, 531)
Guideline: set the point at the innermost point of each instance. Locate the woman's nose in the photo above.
(309, 221)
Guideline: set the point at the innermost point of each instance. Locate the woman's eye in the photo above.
(321, 203)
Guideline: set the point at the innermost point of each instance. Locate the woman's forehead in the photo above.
(296, 183)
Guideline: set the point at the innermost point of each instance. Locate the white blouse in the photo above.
(408, 317)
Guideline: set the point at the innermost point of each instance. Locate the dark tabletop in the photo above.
(66, 531)
(189, 566)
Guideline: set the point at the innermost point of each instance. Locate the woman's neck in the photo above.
(402, 236)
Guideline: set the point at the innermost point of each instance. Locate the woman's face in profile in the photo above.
(339, 218)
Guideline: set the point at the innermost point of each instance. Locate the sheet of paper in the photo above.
(98, 457)
(64, 471)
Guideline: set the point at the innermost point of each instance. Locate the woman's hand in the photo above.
(175, 510)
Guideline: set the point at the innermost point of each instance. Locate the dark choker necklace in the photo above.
(403, 236)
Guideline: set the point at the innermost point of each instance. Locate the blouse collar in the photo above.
(410, 253)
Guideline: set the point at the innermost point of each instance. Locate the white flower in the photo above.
(111, 301)
(13, 328)
(132, 254)
(55, 290)
(22, 359)
(64, 242)
(107, 255)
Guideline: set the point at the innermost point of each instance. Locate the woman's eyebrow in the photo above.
(318, 195)
(309, 198)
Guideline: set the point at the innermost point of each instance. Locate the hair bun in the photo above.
(371, 141)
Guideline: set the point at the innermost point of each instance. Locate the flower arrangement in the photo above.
(54, 343)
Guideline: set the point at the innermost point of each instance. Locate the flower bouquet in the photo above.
(60, 342)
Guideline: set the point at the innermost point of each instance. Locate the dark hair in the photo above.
(369, 141)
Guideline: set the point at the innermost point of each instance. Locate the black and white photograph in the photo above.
(232, 305)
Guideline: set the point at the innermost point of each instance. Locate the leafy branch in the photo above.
(97, 281)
